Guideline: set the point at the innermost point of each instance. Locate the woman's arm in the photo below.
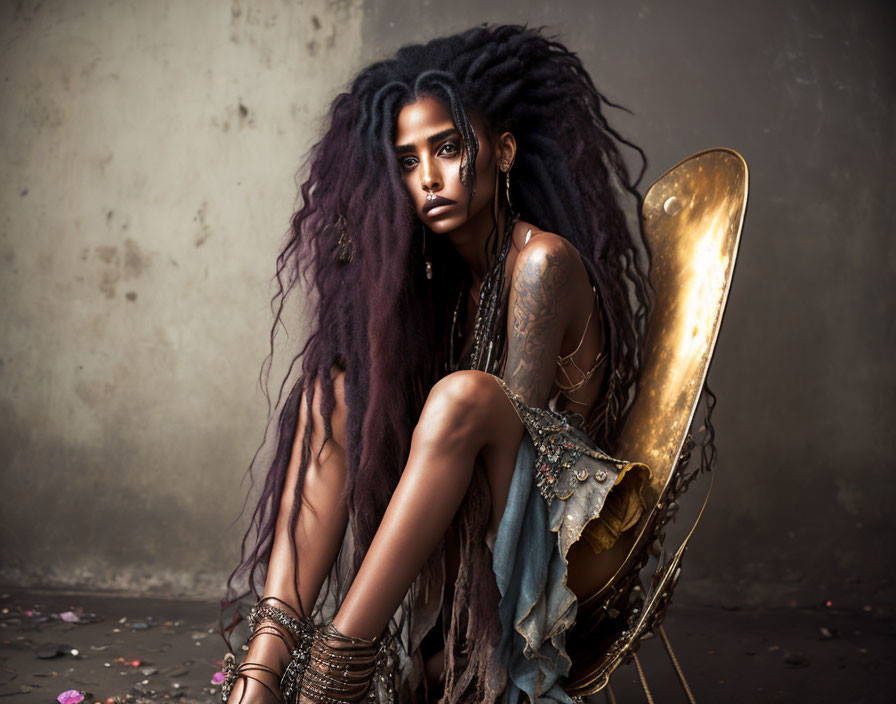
(539, 312)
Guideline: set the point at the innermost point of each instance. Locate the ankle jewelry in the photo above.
(346, 670)
(296, 634)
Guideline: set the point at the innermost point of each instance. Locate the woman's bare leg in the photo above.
(466, 414)
(319, 533)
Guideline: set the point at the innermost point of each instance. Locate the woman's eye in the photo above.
(407, 162)
(448, 148)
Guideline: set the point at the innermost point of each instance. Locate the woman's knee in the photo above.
(460, 406)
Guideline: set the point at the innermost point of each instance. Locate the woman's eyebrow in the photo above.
(437, 137)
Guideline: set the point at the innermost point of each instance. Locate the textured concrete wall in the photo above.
(149, 151)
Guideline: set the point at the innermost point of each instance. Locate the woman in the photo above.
(470, 267)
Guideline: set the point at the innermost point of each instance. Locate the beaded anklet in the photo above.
(346, 670)
(296, 634)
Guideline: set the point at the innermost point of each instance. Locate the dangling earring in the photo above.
(505, 167)
(495, 207)
(425, 258)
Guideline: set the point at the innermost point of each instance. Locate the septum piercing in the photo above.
(430, 196)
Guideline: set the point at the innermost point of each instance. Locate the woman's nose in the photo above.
(432, 179)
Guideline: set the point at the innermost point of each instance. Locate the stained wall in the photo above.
(150, 150)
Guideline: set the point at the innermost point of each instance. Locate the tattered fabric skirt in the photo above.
(564, 488)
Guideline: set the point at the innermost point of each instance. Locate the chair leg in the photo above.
(611, 698)
(643, 679)
(678, 670)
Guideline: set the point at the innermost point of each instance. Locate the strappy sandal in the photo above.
(296, 634)
(346, 670)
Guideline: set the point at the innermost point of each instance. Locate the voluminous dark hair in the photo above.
(355, 243)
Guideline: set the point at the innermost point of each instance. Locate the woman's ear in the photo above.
(506, 151)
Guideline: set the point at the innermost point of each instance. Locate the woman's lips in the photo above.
(437, 205)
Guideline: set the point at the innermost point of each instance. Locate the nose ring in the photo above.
(430, 196)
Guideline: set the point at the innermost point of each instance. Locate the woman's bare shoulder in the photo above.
(544, 254)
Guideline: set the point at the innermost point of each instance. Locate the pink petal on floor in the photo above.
(71, 696)
(70, 617)
(218, 678)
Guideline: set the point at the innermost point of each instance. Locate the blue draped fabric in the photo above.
(536, 607)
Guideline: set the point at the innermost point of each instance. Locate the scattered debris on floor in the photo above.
(113, 650)
(104, 649)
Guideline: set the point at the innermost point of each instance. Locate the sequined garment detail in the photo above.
(559, 445)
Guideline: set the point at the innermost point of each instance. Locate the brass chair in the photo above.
(692, 217)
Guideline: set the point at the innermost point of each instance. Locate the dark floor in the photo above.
(152, 650)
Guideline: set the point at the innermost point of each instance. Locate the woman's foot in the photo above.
(254, 683)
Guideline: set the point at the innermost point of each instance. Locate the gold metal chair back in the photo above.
(692, 218)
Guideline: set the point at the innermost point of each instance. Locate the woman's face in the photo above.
(429, 150)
